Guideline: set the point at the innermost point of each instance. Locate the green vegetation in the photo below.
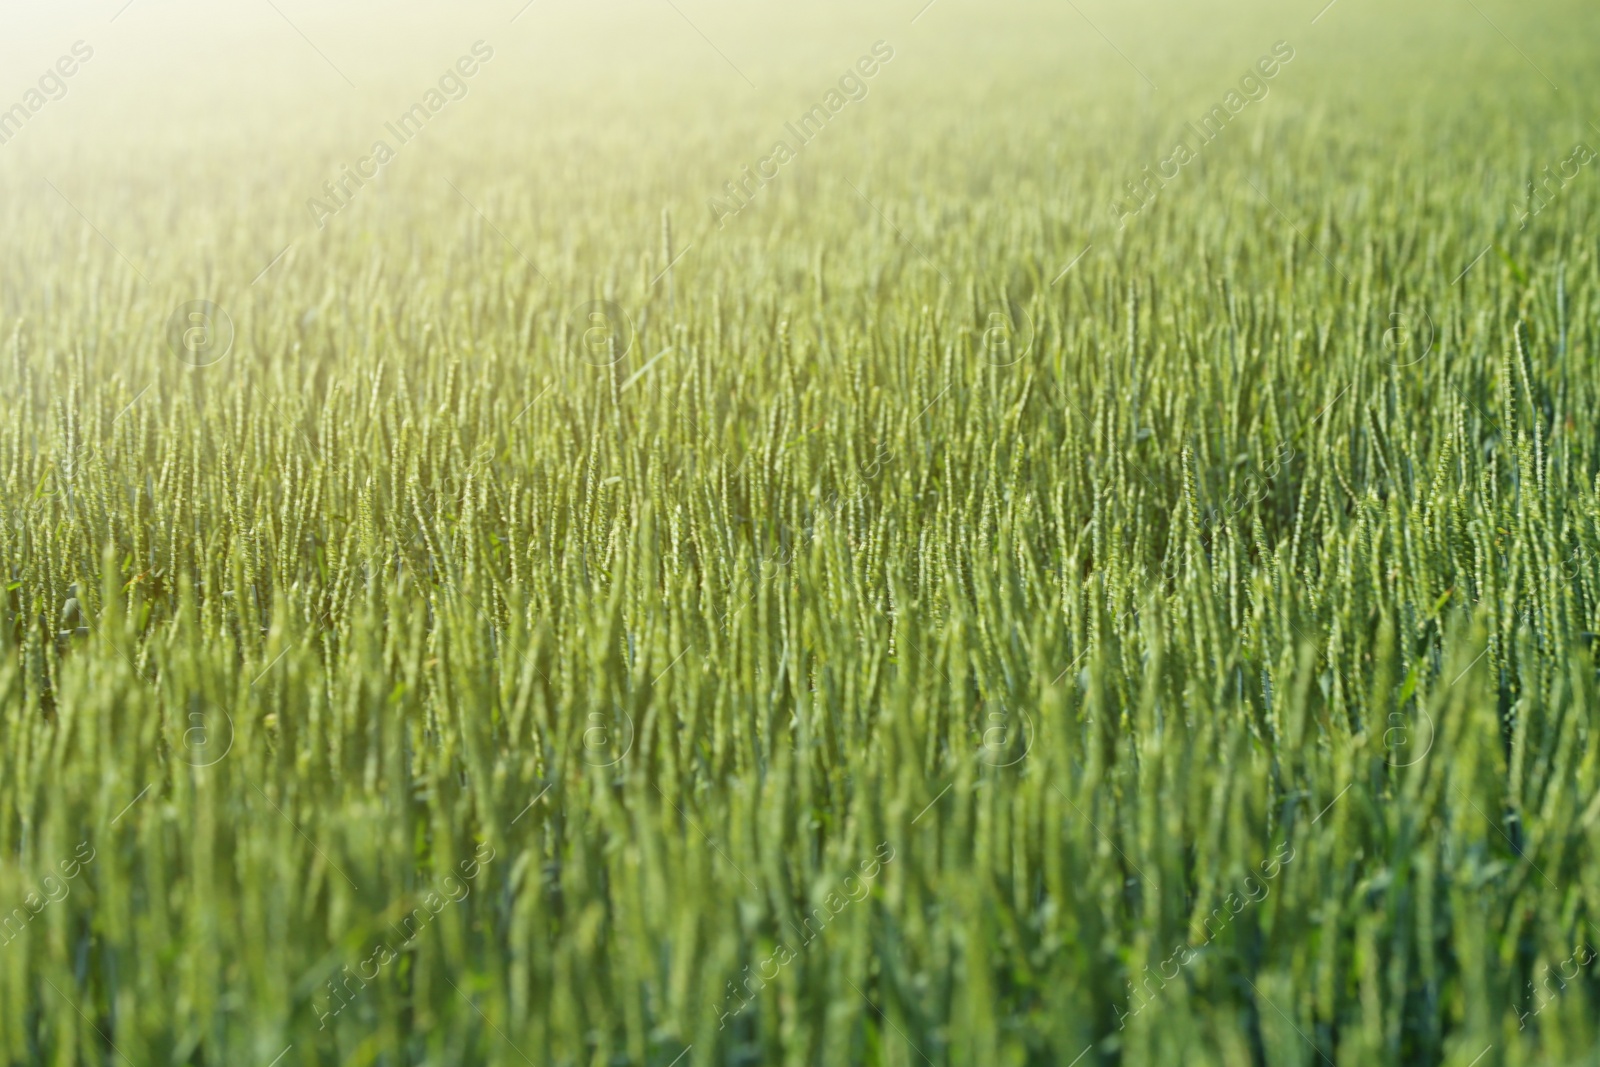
(886, 645)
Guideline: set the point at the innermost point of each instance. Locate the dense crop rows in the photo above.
(885, 645)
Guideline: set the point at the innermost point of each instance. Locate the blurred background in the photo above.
(595, 118)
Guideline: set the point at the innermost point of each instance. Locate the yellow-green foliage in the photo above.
(900, 648)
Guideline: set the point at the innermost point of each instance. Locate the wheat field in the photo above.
(682, 533)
